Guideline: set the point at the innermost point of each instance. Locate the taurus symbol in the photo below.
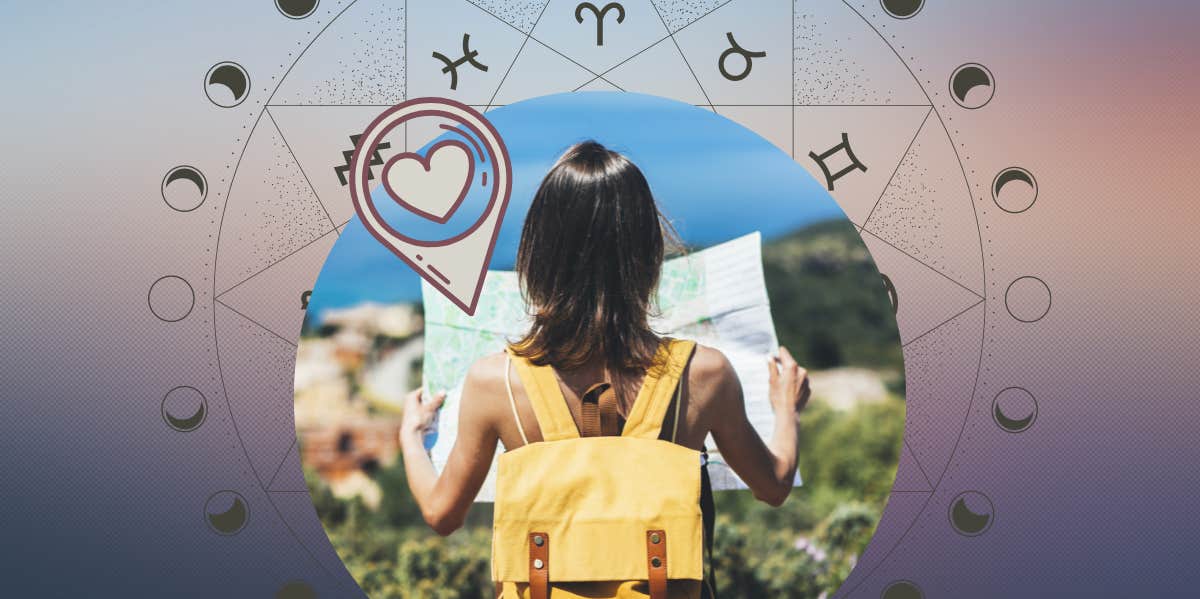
(599, 14)
(468, 56)
(747, 55)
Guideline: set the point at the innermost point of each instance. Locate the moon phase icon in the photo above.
(184, 188)
(227, 84)
(184, 409)
(971, 513)
(226, 512)
(972, 86)
(902, 589)
(1014, 409)
(891, 291)
(296, 9)
(1014, 190)
(296, 589)
(1028, 299)
(903, 9)
(171, 298)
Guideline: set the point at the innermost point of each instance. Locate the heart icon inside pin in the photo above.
(434, 185)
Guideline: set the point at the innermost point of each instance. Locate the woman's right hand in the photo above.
(419, 414)
(789, 389)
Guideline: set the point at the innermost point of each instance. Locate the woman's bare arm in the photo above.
(444, 500)
(767, 468)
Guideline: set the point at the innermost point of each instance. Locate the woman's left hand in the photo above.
(419, 413)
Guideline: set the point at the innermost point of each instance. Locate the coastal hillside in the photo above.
(829, 303)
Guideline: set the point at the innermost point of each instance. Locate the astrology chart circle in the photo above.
(826, 81)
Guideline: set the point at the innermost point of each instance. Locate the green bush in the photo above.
(456, 569)
(837, 309)
(752, 560)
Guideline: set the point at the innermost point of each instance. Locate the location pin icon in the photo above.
(432, 187)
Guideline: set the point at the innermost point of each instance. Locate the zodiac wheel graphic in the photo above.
(826, 81)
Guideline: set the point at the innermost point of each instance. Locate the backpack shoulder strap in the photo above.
(708, 512)
(549, 406)
(650, 408)
(600, 417)
(512, 402)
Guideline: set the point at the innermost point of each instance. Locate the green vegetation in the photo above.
(829, 303)
(798, 550)
(831, 309)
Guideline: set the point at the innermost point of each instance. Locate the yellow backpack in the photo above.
(591, 515)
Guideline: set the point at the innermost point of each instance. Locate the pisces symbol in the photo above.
(469, 57)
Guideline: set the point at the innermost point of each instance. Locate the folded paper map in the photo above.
(715, 296)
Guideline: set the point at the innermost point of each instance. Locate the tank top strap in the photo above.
(658, 387)
(549, 406)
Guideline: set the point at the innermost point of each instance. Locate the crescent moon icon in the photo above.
(182, 201)
(902, 9)
(180, 399)
(187, 173)
(296, 9)
(967, 521)
(1014, 202)
(902, 589)
(1015, 398)
(233, 78)
(1010, 424)
(968, 77)
(296, 589)
(190, 423)
(232, 519)
(1010, 175)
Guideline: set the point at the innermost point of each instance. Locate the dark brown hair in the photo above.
(591, 252)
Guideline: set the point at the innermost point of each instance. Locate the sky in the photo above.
(714, 179)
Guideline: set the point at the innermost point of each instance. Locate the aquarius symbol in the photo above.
(844, 146)
(468, 56)
(304, 299)
(599, 14)
(376, 159)
(747, 55)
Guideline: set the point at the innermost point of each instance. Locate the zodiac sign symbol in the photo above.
(468, 56)
(376, 159)
(746, 55)
(599, 14)
(891, 291)
(844, 146)
(304, 299)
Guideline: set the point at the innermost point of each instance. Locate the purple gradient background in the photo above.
(1096, 98)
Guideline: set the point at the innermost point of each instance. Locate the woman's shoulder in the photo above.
(710, 367)
(483, 389)
(712, 385)
(487, 371)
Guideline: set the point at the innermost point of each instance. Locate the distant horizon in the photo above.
(694, 160)
(322, 312)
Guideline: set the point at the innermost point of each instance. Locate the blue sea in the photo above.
(714, 179)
